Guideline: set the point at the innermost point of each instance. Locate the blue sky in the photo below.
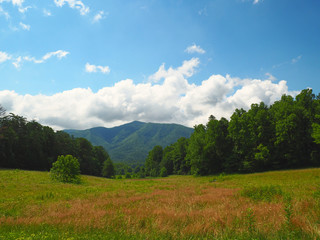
(79, 64)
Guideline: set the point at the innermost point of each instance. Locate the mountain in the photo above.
(131, 142)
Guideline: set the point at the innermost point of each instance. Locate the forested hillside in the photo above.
(281, 136)
(29, 145)
(131, 142)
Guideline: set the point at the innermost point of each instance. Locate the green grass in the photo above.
(262, 193)
(271, 205)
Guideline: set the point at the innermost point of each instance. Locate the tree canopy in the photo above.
(281, 136)
(31, 146)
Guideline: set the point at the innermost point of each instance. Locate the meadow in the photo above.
(270, 205)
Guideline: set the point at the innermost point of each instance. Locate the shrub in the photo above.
(66, 169)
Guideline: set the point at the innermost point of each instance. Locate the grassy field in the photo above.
(271, 205)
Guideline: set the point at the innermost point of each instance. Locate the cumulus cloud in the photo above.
(174, 99)
(195, 49)
(187, 69)
(76, 4)
(256, 1)
(93, 68)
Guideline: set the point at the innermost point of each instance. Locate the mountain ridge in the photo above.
(132, 141)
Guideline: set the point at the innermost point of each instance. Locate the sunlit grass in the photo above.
(176, 207)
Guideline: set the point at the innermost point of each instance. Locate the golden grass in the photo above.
(179, 205)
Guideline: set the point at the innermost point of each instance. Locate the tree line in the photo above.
(284, 135)
(31, 146)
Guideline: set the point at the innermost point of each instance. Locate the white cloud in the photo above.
(175, 99)
(203, 11)
(17, 2)
(195, 49)
(100, 15)
(4, 57)
(17, 62)
(186, 70)
(24, 9)
(93, 68)
(271, 77)
(256, 1)
(76, 4)
(295, 60)
(59, 54)
(47, 13)
(4, 13)
(24, 26)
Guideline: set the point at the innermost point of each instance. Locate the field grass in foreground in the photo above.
(271, 205)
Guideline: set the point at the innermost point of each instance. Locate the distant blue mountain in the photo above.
(131, 142)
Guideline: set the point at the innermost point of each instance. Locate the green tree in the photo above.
(66, 169)
(217, 146)
(128, 175)
(195, 154)
(108, 170)
(2, 111)
(293, 128)
(153, 161)
(163, 172)
(86, 155)
(100, 155)
(316, 131)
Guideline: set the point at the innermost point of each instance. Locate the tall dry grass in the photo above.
(180, 206)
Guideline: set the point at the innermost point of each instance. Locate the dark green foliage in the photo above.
(128, 175)
(89, 164)
(262, 193)
(153, 161)
(66, 169)
(316, 129)
(163, 172)
(284, 135)
(108, 170)
(131, 142)
(29, 145)
(209, 147)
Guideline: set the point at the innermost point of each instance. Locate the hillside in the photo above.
(285, 205)
(131, 142)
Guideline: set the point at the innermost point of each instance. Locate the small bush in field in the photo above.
(66, 169)
(262, 193)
